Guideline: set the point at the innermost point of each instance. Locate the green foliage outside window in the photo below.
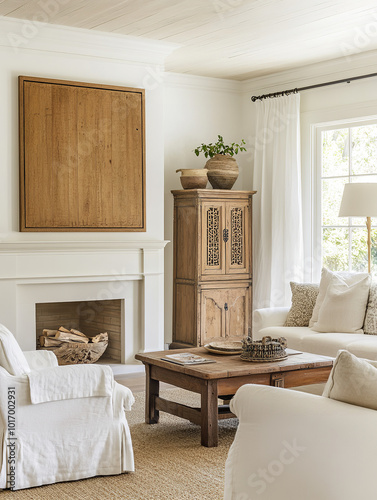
(348, 155)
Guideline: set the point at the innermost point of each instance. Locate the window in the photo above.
(348, 154)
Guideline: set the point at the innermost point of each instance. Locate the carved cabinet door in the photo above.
(225, 238)
(237, 228)
(213, 249)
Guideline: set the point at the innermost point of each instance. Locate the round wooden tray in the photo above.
(224, 351)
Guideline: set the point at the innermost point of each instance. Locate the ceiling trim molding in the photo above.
(333, 69)
(185, 80)
(22, 34)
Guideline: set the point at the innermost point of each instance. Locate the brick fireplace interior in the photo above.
(90, 317)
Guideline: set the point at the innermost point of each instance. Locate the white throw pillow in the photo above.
(344, 306)
(326, 277)
(11, 356)
(353, 380)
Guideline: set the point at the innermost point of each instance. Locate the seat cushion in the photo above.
(293, 334)
(365, 347)
(11, 356)
(328, 344)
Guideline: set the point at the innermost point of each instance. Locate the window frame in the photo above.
(317, 130)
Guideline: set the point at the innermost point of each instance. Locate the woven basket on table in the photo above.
(265, 350)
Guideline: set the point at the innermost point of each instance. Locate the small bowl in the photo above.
(193, 178)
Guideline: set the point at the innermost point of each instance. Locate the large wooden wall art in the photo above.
(82, 156)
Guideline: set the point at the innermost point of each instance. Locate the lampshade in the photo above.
(359, 200)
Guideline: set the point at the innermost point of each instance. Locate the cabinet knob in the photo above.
(225, 235)
(226, 306)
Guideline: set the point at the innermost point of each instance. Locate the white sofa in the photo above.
(270, 322)
(295, 446)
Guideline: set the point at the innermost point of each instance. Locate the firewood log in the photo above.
(77, 332)
(100, 338)
(62, 329)
(70, 337)
(51, 342)
(49, 333)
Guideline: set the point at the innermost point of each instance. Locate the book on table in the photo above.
(186, 358)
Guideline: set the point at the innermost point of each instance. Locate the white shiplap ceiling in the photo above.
(236, 39)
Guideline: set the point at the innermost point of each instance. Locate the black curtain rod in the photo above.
(295, 91)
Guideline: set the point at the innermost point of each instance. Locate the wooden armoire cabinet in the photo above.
(212, 266)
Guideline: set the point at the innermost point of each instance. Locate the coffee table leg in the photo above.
(209, 414)
(152, 389)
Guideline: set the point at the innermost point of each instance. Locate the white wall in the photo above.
(197, 110)
(357, 99)
(79, 55)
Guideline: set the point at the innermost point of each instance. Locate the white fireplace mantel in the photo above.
(36, 272)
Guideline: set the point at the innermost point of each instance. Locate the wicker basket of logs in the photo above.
(265, 350)
(72, 346)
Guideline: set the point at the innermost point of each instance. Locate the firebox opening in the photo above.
(91, 317)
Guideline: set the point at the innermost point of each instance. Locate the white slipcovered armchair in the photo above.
(59, 423)
(295, 446)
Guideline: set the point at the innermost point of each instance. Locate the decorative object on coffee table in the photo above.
(222, 167)
(193, 178)
(265, 350)
(227, 348)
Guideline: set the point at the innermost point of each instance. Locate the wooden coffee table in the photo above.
(221, 380)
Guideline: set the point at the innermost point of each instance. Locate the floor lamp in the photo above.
(360, 200)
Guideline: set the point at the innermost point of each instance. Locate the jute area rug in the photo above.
(169, 461)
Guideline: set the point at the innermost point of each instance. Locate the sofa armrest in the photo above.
(271, 316)
(39, 360)
(295, 445)
(70, 382)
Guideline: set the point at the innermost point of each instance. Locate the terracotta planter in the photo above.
(193, 178)
(222, 171)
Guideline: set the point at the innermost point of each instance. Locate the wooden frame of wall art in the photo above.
(82, 156)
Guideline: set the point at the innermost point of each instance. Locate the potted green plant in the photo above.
(222, 167)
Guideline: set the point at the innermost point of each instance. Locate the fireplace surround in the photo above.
(132, 273)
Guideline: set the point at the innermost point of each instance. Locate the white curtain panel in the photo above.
(277, 221)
